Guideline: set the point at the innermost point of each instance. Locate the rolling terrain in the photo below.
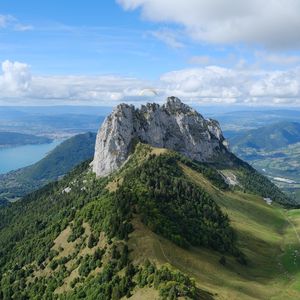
(270, 137)
(139, 233)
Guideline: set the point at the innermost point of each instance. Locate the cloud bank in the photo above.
(270, 23)
(214, 84)
(210, 84)
(18, 85)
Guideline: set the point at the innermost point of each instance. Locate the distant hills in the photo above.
(58, 162)
(253, 119)
(11, 139)
(270, 137)
(274, 150)
(55, 121)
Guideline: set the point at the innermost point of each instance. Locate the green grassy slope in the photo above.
(145, 231)
(58, 162)
(265, 235)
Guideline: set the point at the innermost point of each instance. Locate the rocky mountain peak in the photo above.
(173, 125)
(174, 105)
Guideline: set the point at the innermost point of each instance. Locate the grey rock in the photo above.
(174, 125)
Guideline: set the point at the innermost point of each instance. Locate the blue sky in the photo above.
(85, 37)
(92, 37)
(103, 52)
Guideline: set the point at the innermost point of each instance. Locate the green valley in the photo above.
(274, 150)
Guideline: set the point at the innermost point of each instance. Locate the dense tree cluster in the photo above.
(171, 284)
(175, 207)
(110, 285)
(155, 189)
(256, 183)
(90, 262)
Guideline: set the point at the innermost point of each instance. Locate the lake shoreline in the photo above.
(17, 157)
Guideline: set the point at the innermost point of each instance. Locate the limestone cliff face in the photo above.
(173, 125)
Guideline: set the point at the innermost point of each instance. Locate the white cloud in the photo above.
(270, 23)
(222, 85)
(278, 85)
(104, 89)
(15, 78)
(17, 84)
(10, 22)
(168, 37)
(210, 84)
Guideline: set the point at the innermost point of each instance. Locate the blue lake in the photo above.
(13, 158)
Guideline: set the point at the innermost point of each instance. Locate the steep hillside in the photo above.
(178, 127)
(12, 139)
(162, 226)
(58, 162)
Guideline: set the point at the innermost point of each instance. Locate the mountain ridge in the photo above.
(174, 125)
(269, 137)
(177, 127)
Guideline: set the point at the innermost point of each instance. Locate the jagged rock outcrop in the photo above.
(173, 125)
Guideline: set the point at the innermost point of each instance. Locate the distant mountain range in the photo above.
(57, 163)
(273, 150)
(12, 139)
(270, 137)
(52, 121)
(242, 121)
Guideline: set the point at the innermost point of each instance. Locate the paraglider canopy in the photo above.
(148, 92)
